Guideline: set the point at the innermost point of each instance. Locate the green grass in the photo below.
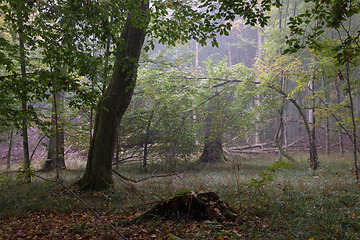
(298, 204)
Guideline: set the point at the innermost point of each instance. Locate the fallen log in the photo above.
(259, 145)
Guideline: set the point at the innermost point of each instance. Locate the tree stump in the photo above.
(191, 206)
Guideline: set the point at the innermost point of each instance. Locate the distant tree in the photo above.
(229, 91)
(308, 30)
(159, 117)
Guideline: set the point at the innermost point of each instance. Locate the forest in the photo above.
(179, 119)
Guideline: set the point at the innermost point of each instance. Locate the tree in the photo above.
(334, 15)
(36, 43)
(186, 23)
(56, 155)
(159, 117)
(213, 151)
(18, 15)
(215, 117)
(115, 100)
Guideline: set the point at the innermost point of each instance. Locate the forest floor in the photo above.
(294, 203)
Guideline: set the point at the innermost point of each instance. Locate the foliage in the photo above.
(204, 19)
(267, 176)
(317, 17)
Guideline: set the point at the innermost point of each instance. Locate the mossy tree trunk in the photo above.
(116, 98)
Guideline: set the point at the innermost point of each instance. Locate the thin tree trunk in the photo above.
(313, 150)
(327, 119)
(312, 146)
(284, 115)
(56, 152)
(279, 133)
(352, 110)
(24, 99)
(257, 101)
(9, 150)
(327, 135)
(117, 151)
(229, 54)
(196, 56)
(338, 102)
(146, 143)
(116, 98)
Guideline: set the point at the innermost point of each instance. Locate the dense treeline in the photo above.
(172, 82)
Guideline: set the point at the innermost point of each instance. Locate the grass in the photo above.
(298, 204)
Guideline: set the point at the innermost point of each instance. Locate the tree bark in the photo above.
(9, 150)
(115, 101)
(24, 99)
(213, 151)
(353, 121)
(257, 101)
(327, 119)
(314, 164)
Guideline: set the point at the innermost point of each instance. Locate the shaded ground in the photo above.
(297, 204)
(37, 225)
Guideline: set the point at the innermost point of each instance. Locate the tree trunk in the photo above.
(314, 163)
(196, 56)
(213, 151)
(24, 99)
(229, 54)
(146, 143)
(281, 136)
(312, 146)
(56, 153)
(353, 121)
(117, 152)
(313, 151)
(338, 102)
(327, 135)
(327, 119)
(257, 98)
(9, 149)
(115, 101)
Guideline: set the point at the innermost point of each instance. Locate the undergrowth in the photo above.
(296, 203)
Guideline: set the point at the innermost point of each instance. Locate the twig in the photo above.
(33, 152)
(90, 208)
(45, 179)
(122, 179)
(143, 179)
